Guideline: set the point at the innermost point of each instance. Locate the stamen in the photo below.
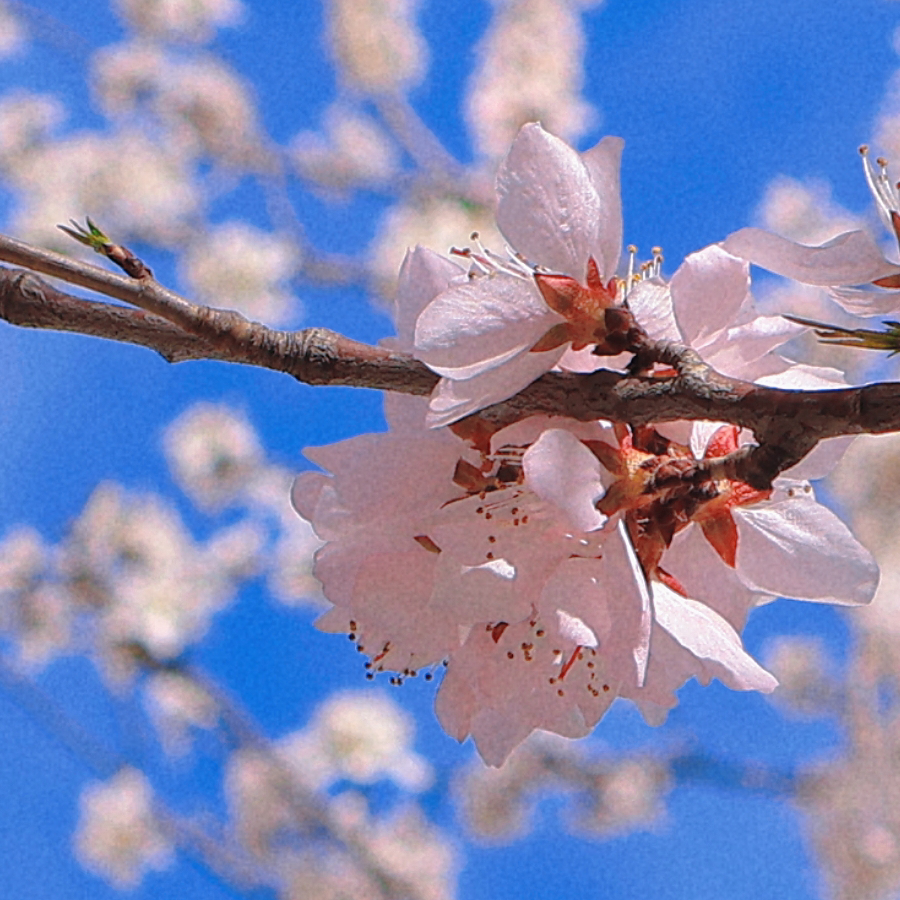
(887, 198)
(486, 262)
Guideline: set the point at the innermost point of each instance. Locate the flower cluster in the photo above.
(554, 565)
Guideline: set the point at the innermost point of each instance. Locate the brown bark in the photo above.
(787, 424)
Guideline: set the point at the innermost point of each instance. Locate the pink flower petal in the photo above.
(452, 400)
(737, 348)
(710, 638)
(556, 210)
(862, 302)
(423, 275)
(651, 302)
(850, 258)
(479, 325)
(562, 471)
(603, 162)
(793, 546)
(708, 291)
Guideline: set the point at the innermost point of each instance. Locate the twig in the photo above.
(787, 423)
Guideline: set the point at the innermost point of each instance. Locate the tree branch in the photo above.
(787, 424)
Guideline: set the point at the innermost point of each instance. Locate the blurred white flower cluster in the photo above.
(530, 68)
(119, 835)
(131, 584)
(237, 266)
(376, 44)
(307, 783)
(608, 796)
(180, 20)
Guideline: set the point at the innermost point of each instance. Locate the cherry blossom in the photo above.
(492, 335)
(707, 305)
(849, 259)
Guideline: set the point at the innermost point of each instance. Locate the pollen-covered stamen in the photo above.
(631, 279)
(886, 194)
(486, 262)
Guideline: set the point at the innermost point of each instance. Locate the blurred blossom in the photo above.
(867, 484)
(401, 856)
(439, 223)
(627, 798)
(414, 853)
(803, 211)
(802, 669)
(353, 152)
(205, 106)
(119, 837)
(498, 802)
(178, 706)
(180, 20)
(35, 613)
(323, 875)
(132, 559)
(13, 34)
(133, 186)
(358, 736)
(530, 68)
(237, 266)
(264, 799)
(125, 75)
(23, 558)
(290, 573)
(26, 121)
(614, 796)
(853, 815)
(214, 453)
(237, 550)
(376, 43)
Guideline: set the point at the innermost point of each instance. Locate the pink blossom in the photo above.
(492, 336)
(707, 305)
(786, 544)
(852, 258)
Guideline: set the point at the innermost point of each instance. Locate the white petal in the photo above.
(823, 458)
(452, 400)
(423, 275)
(651, 303)
(604, 162)
(561, 470)
(708, 291)
(573, 629)
(850, 258)
(803, 377)
(479, 325)
(795, 547)
(710, 638)
(737, 348)
(556, 210)
(863, 302)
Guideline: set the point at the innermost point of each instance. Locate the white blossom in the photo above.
(119, 836)
(530, 68)
(377, 44)
(180, 20)
(214, 453)
(358, 736)
(238, 266)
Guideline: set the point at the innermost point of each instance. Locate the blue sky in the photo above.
(714, 99)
